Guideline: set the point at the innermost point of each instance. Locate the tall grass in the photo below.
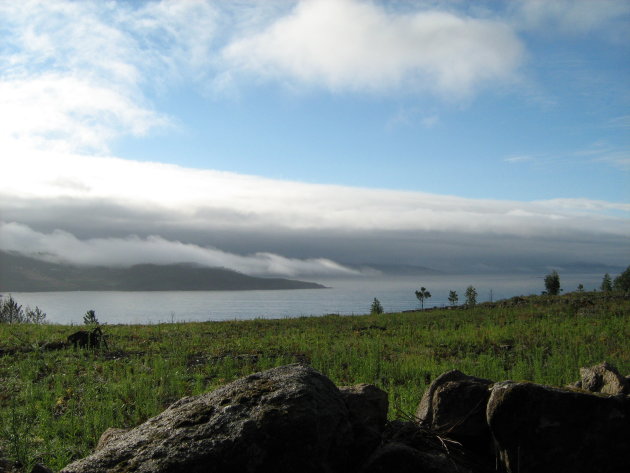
(55, 404)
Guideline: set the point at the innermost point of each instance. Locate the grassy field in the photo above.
(54, 404)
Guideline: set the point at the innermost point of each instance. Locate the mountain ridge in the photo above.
(19, 273)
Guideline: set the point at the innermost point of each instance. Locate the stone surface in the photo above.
(454, 406)
(367, 406)
(109, 436)
(286, 419)
(603, 378)
(542, 429)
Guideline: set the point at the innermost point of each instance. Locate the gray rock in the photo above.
(603, 378)
(454, 406)
(367, 406)
(286, 419)
(109, 436)
(542, 429)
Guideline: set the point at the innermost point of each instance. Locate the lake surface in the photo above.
(345, 297)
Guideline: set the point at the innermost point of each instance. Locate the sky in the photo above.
(316, 137)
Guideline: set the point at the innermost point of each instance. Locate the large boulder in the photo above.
(286, 419)
(542, 429)
(454, 406)
(603, 378)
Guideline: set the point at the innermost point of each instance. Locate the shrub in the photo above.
(12, 313)
(90, 318)
(377, 307)
(471, 296)
(552, 283)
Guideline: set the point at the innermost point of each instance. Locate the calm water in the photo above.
(345, 297)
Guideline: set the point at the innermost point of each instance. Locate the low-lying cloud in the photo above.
(63, 247)
(88, 209)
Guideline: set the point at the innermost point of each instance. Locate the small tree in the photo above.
(10, 311)
(90, 318)
(552, 283)
(607, 285)
(622, 282)
(34, 316)
(580, 287)
(377, 307)
(453, 297)
(423, 294)
(471, 296)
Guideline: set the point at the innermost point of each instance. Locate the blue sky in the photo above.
(296, 137)
(560, 129)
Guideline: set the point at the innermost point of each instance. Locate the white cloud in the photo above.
(359, 46)
(61, 246)
(69, 113)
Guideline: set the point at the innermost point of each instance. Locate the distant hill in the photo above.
(22, 274)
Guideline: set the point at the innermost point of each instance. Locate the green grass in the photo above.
(55, 404)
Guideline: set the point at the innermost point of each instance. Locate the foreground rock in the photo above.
(367, 408)
(286, 419)
(542, 429)
(454, 406)
(293, 419)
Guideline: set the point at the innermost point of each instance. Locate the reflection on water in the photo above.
(345, 297)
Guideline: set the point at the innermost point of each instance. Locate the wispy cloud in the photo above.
(519, 159)
(74, 74)
(618, 159)
(620, 122)
(571, 16)
(603, 152)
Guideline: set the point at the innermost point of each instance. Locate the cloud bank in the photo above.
(114, 211)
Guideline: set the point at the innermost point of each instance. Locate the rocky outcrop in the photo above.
(542, 429)
(286, 419)
(294, 419)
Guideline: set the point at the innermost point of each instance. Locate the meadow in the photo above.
(54, 404)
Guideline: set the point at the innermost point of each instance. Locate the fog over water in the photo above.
(344, 296)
